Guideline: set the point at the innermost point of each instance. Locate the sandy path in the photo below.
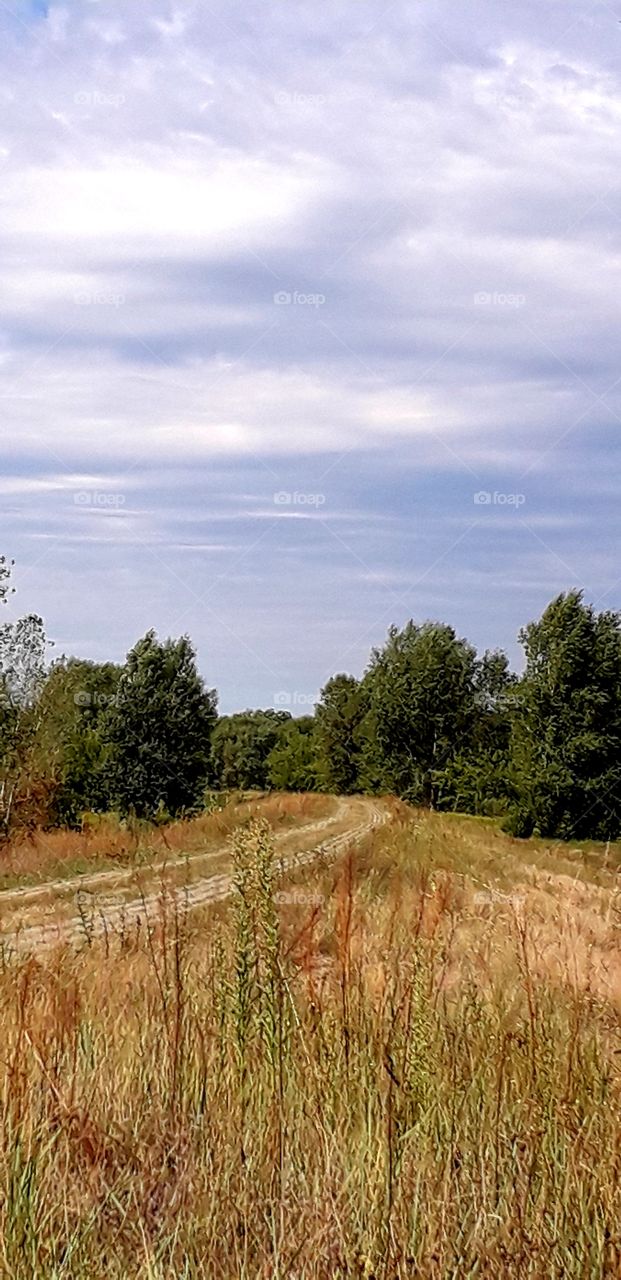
(109, 915)
(119, 876)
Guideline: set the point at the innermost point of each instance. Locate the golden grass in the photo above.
(400, 1065)
(106, 843)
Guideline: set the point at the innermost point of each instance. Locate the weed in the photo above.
(388, 1078)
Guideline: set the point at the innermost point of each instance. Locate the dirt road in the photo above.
(114, 902)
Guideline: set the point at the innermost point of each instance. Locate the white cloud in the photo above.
(176, 204)
(166, 173)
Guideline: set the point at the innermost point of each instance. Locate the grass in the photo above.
(106, 844)
(406, 1064)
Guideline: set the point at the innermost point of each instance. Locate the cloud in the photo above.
(363, 252)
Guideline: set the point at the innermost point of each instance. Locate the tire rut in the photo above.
(118, 876)
(112, 917)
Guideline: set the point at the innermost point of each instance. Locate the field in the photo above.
(395, 1055)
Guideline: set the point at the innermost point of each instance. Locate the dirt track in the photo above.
(93, 915)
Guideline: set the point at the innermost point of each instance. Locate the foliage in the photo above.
(566, 742)
(292, 763)
(5, 578)
(429, 721)
(158, 729)
(476, 780)
(22, 666)
(339, 716)
(72, 745)
(241, 747)
(421, 695)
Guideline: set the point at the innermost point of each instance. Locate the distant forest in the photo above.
(429, 721)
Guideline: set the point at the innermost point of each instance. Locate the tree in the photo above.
(241, 746)
(22, 671)
(159, 729)
(291, 764)
(71, 743)
(5, 578)
(420, 692)
(566, 741)
(477, 779)
(339, 716)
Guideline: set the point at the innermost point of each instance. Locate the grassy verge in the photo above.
(110, 845)
(378, 1071)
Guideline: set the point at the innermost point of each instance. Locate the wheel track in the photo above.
(109, 917)
(119, 876)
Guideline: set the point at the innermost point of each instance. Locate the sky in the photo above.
(309, 324)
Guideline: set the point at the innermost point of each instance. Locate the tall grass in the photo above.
(106, 842)
(297, 1088)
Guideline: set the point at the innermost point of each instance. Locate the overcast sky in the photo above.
(286, 290)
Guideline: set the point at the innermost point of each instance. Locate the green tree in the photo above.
(339, 718)
(566, 742)
(421, 697)
(23, 648)
(291, 764)
(71, 740)
(159, 728)
(477, 779)
(241, 746)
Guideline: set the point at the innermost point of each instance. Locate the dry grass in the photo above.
(387, 1069)
(105, 843)
(109, 899)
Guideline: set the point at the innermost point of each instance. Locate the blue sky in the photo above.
(286, 290)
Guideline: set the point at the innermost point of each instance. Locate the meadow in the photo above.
(103, 842)
(402, 1062)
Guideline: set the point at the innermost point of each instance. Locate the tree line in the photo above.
(430, 721)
